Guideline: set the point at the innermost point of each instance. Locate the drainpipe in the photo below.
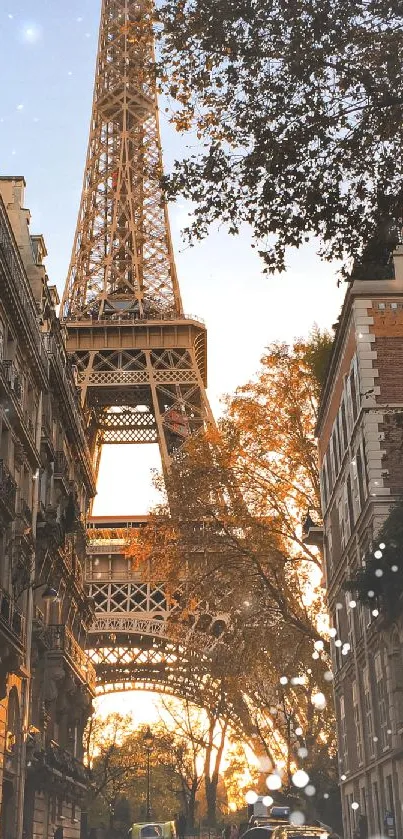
(26, 685)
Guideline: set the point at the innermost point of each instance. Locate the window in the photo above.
(324, 486)
(2, 340)
(369, 721)
(381, 699)
(350, 504)
(343, 426)
(377, 809)
(330, 470)
(357, 724)
(353, 392)
(350, 618)
(343, 734)
(389, 794)
(362, 489)
(335, 450)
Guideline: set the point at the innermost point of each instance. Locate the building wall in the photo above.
(360, 432)
(46, 681)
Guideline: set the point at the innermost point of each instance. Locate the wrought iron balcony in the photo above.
(66, 763)
(12, 378)
(26, 511)
(58, 769)
(61, 467)
(8, 491)
(11, 619)
(47, 435)
(67, 387)
(16, 286)
(61, 639)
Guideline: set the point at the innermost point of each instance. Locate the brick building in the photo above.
(361, 468)
(46, 482)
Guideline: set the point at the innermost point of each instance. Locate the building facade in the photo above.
(46, 482)
(360, 437)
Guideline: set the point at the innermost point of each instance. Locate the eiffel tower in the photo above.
(140, 362)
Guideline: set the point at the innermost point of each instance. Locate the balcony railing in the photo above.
(61, 468)
(65, 763)
(110, 548)
(95, 575)
(16, 280)
(11, 617)
(8, 490)
(61, 638)
(67, 385)
(26, 511)
(12, 378)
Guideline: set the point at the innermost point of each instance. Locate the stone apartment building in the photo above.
(361, 469)
(46, 483)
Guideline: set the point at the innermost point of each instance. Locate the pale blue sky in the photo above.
(47, 63)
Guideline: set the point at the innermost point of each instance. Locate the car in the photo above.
(296, 831)
(152, 830)
(263, 831)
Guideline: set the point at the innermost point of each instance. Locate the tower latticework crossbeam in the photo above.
(139, 361)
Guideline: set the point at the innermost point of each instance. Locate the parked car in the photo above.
(295, 831)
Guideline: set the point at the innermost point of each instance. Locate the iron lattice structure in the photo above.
(131, 640)
(122, 260)
(139, 361)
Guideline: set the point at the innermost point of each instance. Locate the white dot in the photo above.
(375, 739)
(352, 604)
(355, 805)
(318, 645)
(300, 778)
(20, 107)
(378, 572)
(283, 680)
(315, 655)
(378, 554)
(298, 731)
(302, 752)
(389, 731)
(297, 817)
(273, 781)
(338, 643)
(382, 546)
(371, 593)
(332, 632)
(343, 777)
(394, 568)
(325, 795)
(310, 790)
(318, 700)
(251, 797)
(375, 612)
(339, 606)
(267, 800)
(31, 34)
(328, 676)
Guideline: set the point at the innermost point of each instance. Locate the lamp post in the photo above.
(148, 740)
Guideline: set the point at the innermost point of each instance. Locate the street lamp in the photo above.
(148, 740)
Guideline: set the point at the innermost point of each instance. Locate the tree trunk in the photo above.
(211, 800)
(192, 808)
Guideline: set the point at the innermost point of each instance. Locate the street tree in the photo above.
(237, 498)
(295, 114)
(116, 754)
